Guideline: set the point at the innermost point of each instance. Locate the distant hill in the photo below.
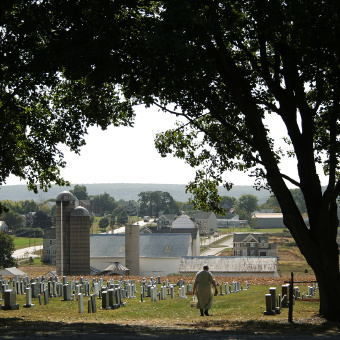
(125, 191)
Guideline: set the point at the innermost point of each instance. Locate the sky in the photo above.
(128, 155)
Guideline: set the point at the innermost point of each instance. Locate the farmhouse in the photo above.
(49, 245)
(253, 245)
(3, 226)
(206, 222)
(229, 266)
(159, 254)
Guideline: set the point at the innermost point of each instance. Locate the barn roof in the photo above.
(150, 245)
(267, 215)
(229, 264)
(12, 271)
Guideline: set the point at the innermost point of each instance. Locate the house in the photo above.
(3, 226)
(206, 222)
(253, 245)
(265, 220)
(90, 207)
(130, 207)
(49, 245)
(29, 219)
(159, 254)
(231, 266)
(183, 221)
(87, 204)
(165, 220)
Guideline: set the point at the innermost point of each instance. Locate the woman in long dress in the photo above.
(202, 287)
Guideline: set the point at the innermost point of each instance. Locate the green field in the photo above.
(24, 242)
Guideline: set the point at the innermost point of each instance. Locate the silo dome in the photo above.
(65, 196)
(80, 211)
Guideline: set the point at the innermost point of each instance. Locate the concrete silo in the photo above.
(73, 236)
(132, 249)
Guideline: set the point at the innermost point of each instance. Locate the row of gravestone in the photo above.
(112, 294)
(275, 303)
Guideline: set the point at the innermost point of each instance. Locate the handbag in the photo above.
(193, 302)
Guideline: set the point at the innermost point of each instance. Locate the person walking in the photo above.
(202, 287)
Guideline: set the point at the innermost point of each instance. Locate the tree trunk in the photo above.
(321, 252)
(327, 274)
(317, 244)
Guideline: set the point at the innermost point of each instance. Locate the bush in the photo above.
(26, 232)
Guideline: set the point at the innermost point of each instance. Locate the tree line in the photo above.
(29, 218)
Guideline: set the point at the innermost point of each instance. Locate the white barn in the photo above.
(231, 266)
(159, 254)
(267, 220)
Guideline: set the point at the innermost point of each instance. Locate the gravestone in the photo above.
(80, 299)
(93, 303)
(28, 298)
(269, 310)
(153, 293)
(105, 300)
(10, 298)
(172, 291)
(67, 292)
(46, 297)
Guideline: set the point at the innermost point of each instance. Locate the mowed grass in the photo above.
(24, 242)
(246, 305)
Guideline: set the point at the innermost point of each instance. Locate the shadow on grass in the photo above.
(13, 326)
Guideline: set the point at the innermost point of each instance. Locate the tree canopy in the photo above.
(6, 250)
(245, 206)
(104, 203)
(154, 202)
(41, 103)
(80, 192)
(228, 67)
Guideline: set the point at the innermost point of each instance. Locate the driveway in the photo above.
(228, 243)
(25, 253)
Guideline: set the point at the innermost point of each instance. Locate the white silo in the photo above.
(132, 249)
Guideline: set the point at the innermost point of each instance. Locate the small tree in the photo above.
(104, 223)
(122, 216)
(6, 250)
(80, 192)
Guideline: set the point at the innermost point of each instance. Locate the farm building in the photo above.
(10, 272)
(159, 254)
(267, 220)
(230, 266)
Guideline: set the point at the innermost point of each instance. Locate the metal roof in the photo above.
(267, 215)
(229, 264)
(150, 245)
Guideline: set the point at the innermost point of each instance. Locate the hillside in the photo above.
(125, 191)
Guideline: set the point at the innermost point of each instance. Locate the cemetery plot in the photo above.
(70, 299)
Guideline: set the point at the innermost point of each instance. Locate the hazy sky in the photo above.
(128, 155)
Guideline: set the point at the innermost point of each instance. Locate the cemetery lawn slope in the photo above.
(236, 313)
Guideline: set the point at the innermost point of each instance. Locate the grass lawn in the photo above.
(24, 242)
(242, 311)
